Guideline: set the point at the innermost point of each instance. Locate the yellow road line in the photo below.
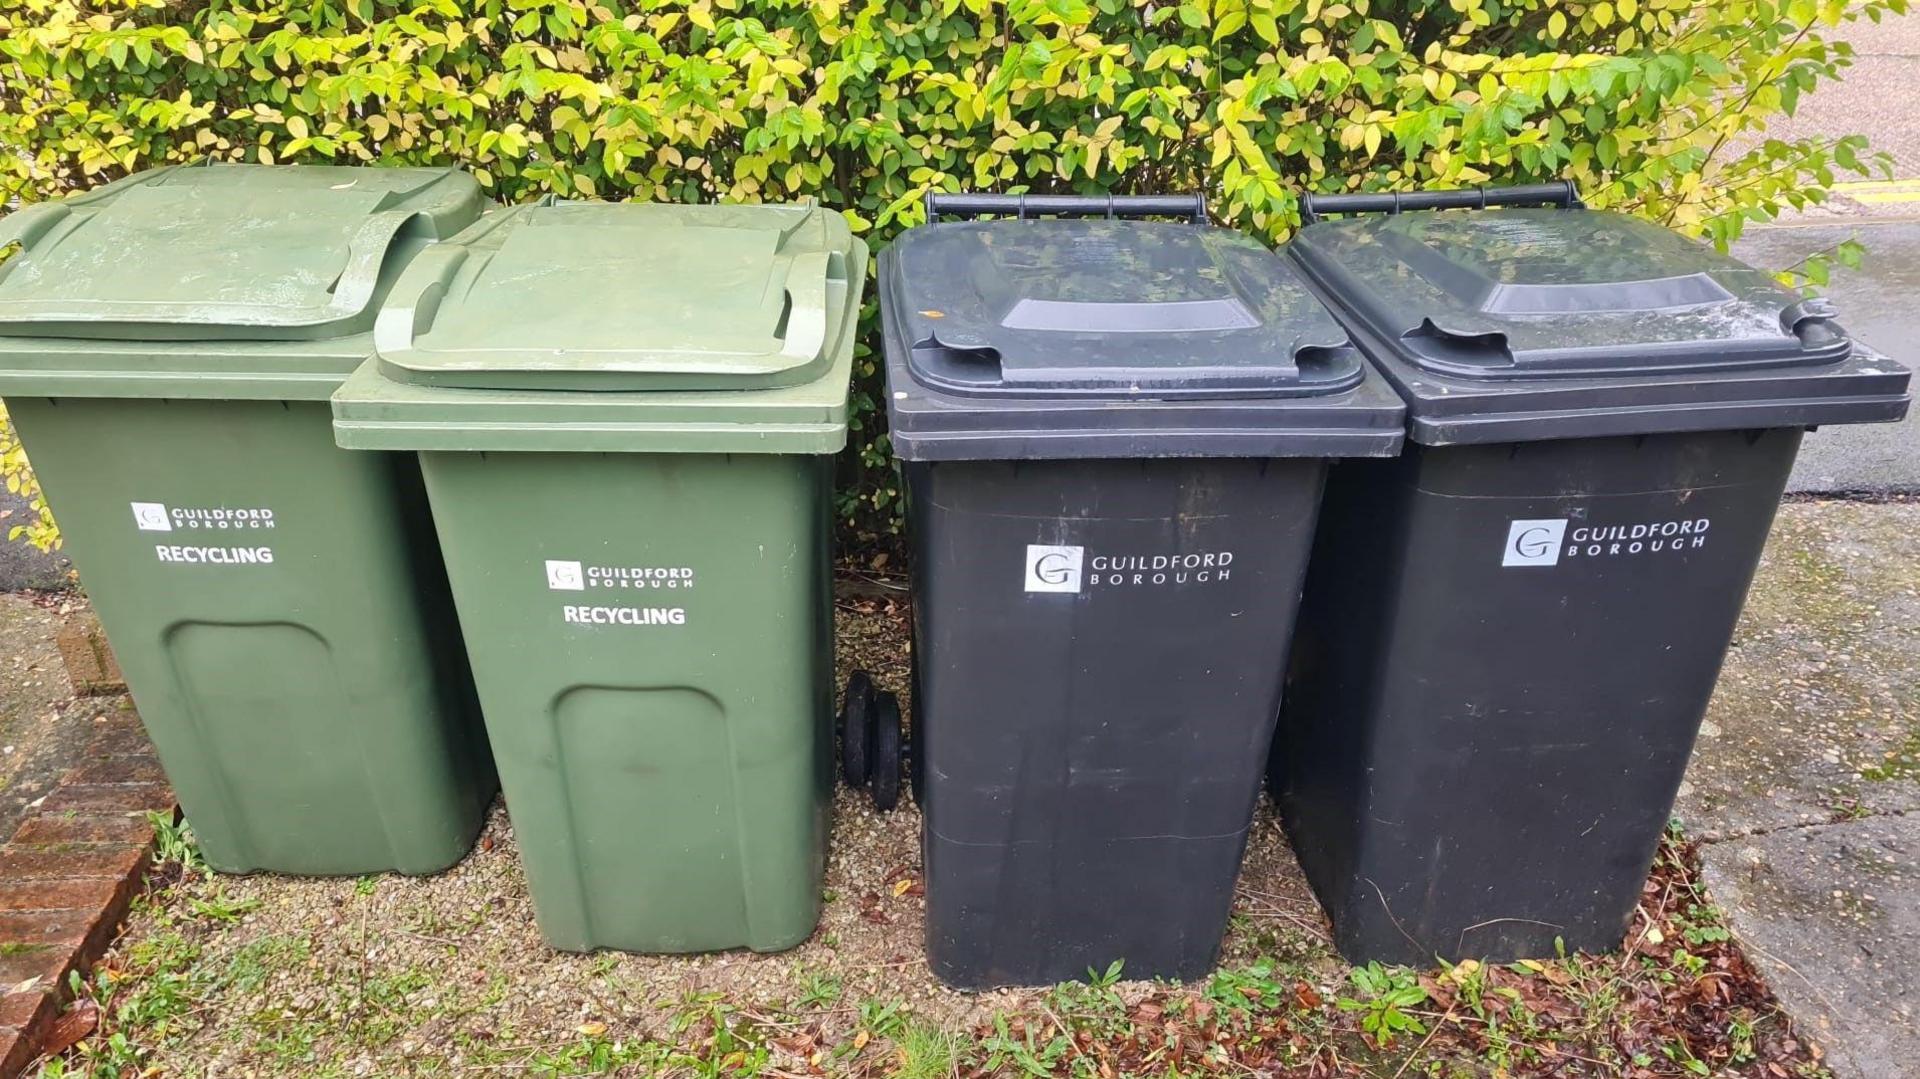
(1879, 191)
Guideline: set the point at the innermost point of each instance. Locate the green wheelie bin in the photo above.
(167, 346)
(626, 415)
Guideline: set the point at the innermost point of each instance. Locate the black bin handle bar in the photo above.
(1559, 193)
(971, 204)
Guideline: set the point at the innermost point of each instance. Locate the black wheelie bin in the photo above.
(1511, 631)
(1114, 435)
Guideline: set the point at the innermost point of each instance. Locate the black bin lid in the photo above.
(1107, 338)
(1548, 323)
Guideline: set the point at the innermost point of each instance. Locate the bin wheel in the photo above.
(887, 762)
(856, 730)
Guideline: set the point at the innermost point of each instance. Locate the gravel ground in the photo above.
(328, 966)
(270, 976)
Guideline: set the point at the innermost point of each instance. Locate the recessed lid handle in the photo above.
(415, 302)
(26, 225)
(973, 204)
(1811, 320)
(1559, 193)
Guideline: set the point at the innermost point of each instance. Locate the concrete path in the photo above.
(40, 731)
(21, 566)
(1806, 780)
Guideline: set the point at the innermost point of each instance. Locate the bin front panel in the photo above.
(281, 616)
(1097, 659)
(1504, 657)
(649, 636)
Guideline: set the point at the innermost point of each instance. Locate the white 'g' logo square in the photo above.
(1053, 569)
(151, 517)
(565, 576)
(1534, 543)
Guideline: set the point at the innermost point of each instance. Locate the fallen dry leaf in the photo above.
(76, 1023)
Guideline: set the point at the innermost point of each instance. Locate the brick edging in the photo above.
(84, 652)
(68, 874)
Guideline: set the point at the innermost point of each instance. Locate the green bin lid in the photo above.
(617, 327)
(619, 296)
(223, 252)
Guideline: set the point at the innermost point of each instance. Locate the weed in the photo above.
(1702, 924)
(366, 886)
(818, 990)
(174, 843)
(722, 1043)
(1020, 1049)
(1385, 995)
(220, 907)
(594, 1055)
(883, 1018)
(1243, 989)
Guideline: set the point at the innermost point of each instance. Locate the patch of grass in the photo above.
(927, 1052)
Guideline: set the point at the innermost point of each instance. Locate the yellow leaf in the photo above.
(1603, 14)
(1373, 139)
(297, 126)
(1556, 25)
(700, 15)
(900, 886)
(860, 1040)
(592, 1030)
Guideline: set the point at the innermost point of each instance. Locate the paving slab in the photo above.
(1830, 914)
(1817, 713)
(1877, 305)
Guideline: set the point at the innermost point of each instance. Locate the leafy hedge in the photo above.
(1658, 107)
